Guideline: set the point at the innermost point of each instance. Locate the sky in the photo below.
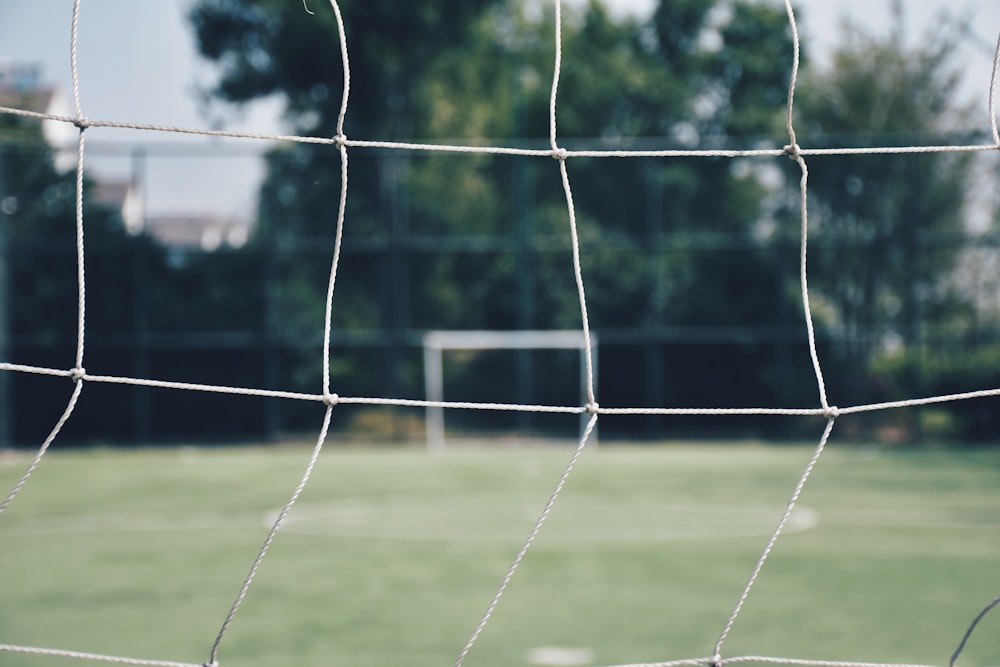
(138, 63)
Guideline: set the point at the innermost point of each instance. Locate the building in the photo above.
(22, 87)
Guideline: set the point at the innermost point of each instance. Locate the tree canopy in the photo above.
(480, 242)
(889, 228)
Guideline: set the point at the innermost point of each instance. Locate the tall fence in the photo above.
(689, 312)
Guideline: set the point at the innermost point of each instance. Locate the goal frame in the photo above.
(435, 343)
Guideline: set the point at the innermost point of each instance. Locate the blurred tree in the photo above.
(476, 241)
(37, 212)
(888, 228)
(273, 48)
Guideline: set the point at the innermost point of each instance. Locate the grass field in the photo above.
(392, 555)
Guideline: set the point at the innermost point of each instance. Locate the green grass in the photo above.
(392, 555)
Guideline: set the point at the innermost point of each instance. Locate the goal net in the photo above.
(437, 342)
(558, 158)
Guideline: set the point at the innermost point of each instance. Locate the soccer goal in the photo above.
(437, 343)
(752, 551)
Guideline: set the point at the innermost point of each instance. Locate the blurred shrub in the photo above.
(930, 374)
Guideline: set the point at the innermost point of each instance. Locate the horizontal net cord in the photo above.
(815, 663)
(467, 405)
(710, 662)
(921, 401)
(36, 370)
(163, 384)
(683, 662)
(688, 662)
(772, 152)
(98, 657)
(501, 150)
(838, 411)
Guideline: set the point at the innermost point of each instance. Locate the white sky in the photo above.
(137, 63)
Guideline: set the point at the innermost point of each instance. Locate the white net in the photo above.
(589, 408)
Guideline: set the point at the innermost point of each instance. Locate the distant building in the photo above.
(202, 232)
(197, 232)
(21, 87)
(125, 197)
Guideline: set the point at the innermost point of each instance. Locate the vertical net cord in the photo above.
(578, 274)
(556, 71)
(793, 151)
(81, 122)
(559, 154)
(993, 94)
(342, 207)
(275, 527)
(44, 447)
(972, 626)
(78, 371)
(792, 501)
(535, 530)
(331, 399)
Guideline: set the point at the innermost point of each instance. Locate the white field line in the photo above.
(405, 520)
(496, 520)
(589, 521)
(131, 522)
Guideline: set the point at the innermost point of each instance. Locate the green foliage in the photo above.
(446, 241)
(138, 305)
(754, 88)
(945, 372)
(692, 246)
(40, 229)
(886, 225)
(272, 47)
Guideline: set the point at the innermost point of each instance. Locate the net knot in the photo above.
(792, 151)
(559, 154)
(211, 663)
(77, 374)
(340, 140)
(831, 412)
(81, 122)
(715, 661)
(592, 408)
(331, 399)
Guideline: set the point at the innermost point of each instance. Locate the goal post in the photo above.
(437, 342)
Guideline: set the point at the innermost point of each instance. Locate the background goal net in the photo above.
(436, 343)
